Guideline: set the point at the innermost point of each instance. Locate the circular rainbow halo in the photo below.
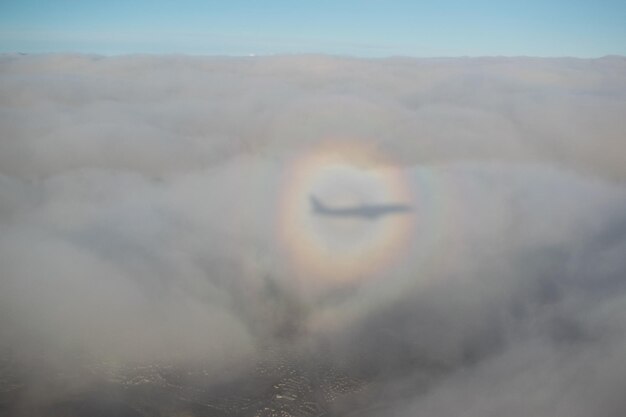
(343, 176)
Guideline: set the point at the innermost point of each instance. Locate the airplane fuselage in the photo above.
(367, 211)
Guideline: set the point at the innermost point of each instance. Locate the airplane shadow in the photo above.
(363, 211)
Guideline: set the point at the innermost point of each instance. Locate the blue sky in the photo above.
(353, 27)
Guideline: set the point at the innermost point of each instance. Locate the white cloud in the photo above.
(140, 198)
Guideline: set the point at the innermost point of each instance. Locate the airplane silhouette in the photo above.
(367, 211)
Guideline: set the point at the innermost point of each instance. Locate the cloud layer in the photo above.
(138, 218)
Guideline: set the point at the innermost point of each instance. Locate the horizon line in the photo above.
(303, 54)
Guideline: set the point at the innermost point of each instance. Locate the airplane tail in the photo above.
(316, 204)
